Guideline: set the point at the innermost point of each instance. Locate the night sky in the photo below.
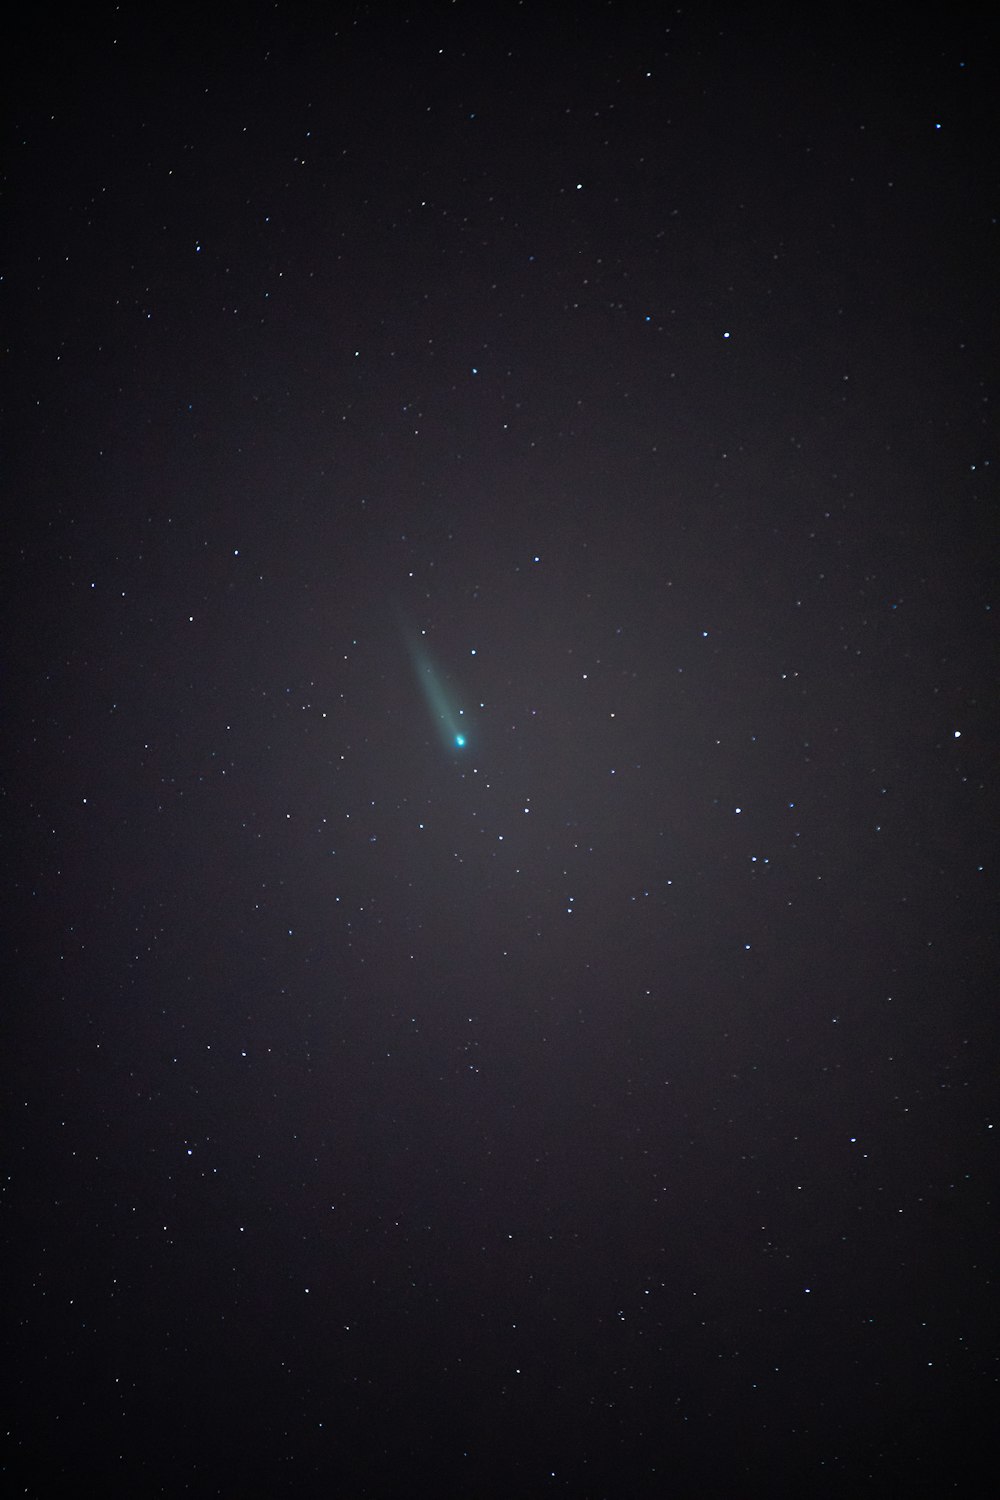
(500, 771)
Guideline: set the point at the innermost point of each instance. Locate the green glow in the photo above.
(444, 711)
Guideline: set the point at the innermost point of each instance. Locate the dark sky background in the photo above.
(604, 1108)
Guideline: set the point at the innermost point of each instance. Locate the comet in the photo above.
(445, 712)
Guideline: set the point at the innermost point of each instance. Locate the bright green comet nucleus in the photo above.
(446, 714)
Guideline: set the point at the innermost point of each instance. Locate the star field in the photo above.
(500, 769)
